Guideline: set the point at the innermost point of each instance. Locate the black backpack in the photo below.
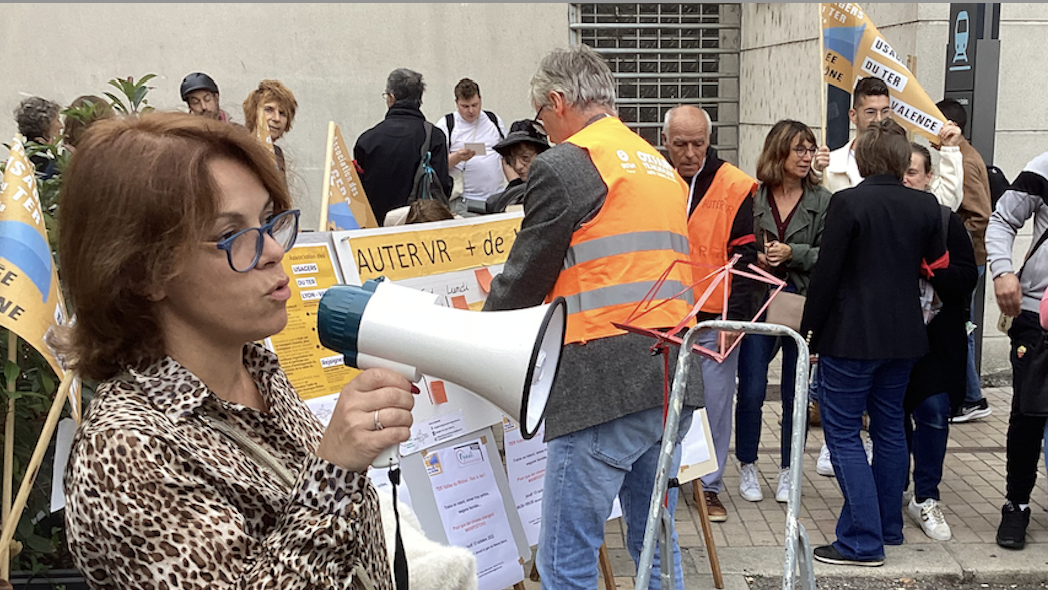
(426, 184)
(449, 119)
(998, 184)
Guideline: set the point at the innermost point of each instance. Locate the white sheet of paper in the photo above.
(693, 448)
(526, 469)
(322, 407)
(63, 448)
(434, 431)
(380, 479)
(473, 514)
(477, 147)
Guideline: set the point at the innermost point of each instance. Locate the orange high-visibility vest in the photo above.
(615, 259)
(709, 229)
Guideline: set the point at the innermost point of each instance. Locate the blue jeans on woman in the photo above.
(927, 432)
(872, 512)
(756, 352)
(585, 471)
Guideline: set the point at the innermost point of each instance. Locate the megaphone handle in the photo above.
(387, 458)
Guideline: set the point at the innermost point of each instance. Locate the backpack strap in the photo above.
(449, 120)
(1040, 240)
(425, 145)
(495, 120)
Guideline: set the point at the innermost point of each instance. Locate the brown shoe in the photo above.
(714, 507)
(813, 414)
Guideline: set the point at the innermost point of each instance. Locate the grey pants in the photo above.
(718, 381)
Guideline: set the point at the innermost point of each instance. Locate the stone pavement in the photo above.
(751, 542)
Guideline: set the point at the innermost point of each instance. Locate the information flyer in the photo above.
(526, 469)
(313, 370)
(472, 512)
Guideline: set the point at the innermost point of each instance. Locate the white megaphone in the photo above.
(509, 358)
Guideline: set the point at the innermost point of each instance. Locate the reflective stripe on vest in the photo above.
(624, 244)
(626, 293)
(616, 258)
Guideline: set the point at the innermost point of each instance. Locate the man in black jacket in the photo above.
(389, 153)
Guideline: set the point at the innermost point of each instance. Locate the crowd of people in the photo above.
(197, 444)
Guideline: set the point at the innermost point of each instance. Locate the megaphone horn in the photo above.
(509, 358)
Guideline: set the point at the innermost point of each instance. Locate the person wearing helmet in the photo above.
(200, 94)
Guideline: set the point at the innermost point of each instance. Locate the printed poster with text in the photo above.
(455, 260)
(473, 514)
(313, 370)
(854, 49)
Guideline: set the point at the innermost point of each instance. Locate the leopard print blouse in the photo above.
(158, 499)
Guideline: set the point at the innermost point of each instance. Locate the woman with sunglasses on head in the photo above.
(197, 465)
(789, 212)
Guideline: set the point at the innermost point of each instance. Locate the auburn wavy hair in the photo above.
(137, 196)
(269, 91)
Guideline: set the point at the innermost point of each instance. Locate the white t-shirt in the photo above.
(481, 176)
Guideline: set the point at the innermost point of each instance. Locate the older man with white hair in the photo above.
(720, 225)
(604, 218)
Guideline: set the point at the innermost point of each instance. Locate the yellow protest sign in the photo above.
(854, 49)
(446, 247)
(313, 370)
(30, 299)
(351, 208)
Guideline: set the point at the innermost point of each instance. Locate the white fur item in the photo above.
(431, 565)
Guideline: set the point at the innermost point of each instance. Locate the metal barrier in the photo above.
(798, 559)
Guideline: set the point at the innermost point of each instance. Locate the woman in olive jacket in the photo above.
(789, 214)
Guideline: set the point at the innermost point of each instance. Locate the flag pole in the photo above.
(11, 522)
(9, 450)
(822, 79)
(325, 195)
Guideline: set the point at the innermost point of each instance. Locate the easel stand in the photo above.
(798, 558)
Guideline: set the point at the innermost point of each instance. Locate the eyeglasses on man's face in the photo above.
(537, 124)
(244, 248)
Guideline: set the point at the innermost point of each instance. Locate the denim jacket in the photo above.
(803, 234)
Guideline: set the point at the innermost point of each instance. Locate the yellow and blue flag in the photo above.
(348, 205)
(853, 48)
(30, 298)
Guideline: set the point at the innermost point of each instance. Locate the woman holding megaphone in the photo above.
(197, 465)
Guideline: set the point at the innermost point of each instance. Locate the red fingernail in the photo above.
(415, 389)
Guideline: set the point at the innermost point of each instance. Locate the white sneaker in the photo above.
(749, 486)
(867, 444)
(782, 491)
(823, 465)
(930, 517)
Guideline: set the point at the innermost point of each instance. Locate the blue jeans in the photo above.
(585, 471)
(872, 515)
(926, 436)
(756, 353)
(974, 391)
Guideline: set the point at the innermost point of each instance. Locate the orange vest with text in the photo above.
(709, 229)
(615, 259)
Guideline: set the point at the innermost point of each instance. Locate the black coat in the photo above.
(389, 155)
(864, 297)
(945, 367)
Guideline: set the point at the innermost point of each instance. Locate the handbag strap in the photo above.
(265, 459)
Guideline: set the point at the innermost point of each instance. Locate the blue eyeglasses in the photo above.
(244, 248)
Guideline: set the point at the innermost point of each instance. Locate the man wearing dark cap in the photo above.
(200, 93)
(517, 149)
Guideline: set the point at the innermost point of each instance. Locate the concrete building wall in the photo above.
(334, 57)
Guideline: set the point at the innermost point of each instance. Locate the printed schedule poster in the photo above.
(473, 514)
(313, 370)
